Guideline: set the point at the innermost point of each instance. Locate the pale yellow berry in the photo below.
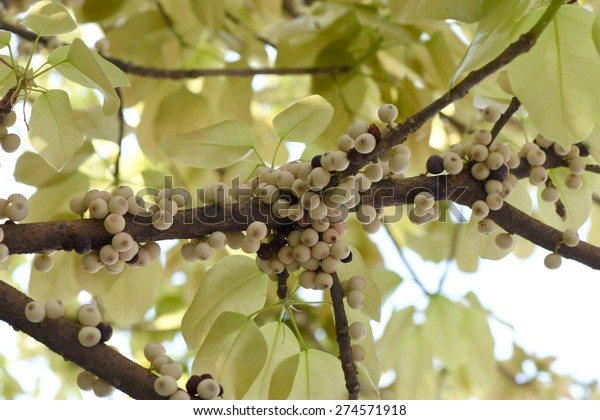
(570, 237)
(42, 263)
(553, 261)
(89, 336)
(491, 113)
(504, 241)
(358, 353)
(574, 182)
(35, 312)
(357, 331)
(486, 226)
(387, 113)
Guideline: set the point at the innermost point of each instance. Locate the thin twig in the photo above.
(343, 339)
(121, 132)
(513, 107)
(407, 264)
(170, 24)
(593, 168)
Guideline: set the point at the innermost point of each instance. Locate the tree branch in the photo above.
(343, 339)
(60, 336)
(513, 107)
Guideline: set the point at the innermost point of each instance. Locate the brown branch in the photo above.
(593, 168)
(121, 132)
(60, 336)
(282, 284)
(513, 107)
(170, 24)
(343, 339)
(399, 134)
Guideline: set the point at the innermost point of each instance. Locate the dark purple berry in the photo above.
(106, 331)
(192, 384)
(316, 161)
(205, 376)
(220, 391)
(348, 258)
(355, 157)
(374, 131)
(500, 174)
(276, 244)
(435, 164)
(264, 252)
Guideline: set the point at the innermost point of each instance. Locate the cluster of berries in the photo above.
(10, 142)
(203, 387)
(93, 330)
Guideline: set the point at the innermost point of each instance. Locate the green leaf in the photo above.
(49, 203)
(400, 323)
(212, 147)
(596, 32)
(82, 59)
(48, 18)
(53, 132)
(234, 352)
(558, 81)
(463, 10)
(415, 376)
(281, 344)
(58, 283)
(493, 34)
(4, 38)
(304, 120)
(233, 284)
(141, 282)
(7, 76)
(310, 374)
(443, 327)
(59, 58)
(357, 267)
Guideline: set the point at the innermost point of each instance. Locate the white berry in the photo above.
(54, 309)
(89, 336)
(570, 237)
(365, 143)
(35, 312)
(387, 113)
(165, 386)
(152, 350)
(356, 299)
(357, 331)
(208, 389)
(42, 263)
(89, 315)
(552, 261)
(85, 380)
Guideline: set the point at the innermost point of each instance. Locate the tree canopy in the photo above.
(211, 175)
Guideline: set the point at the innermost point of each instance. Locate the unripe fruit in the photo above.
(54, 309)
(561, 151)
(286, 255)
(102, 389)
(491, 113)
(307, 279)
(323, 281)
(357, 331)
(8, 120)
(136, 204)
(124, 191)
(374, 172)
(357, 128)
(203, 251)
(330, 264)
(538, 175)
(345, 143)
(398, 164)
(162, 220)
(152, 350)
(483, 137)
(494, 201)
(172, 369)
(340, 161)
(77, 205)
(435, 164)
(108, 255)
(355, 299)
(574, 182)
(570, 237)
(114, 223)
(480, 171)
(330, 236)
(208, 389)
(358, 353)
(130, 253)
(122, 242)
(242, 193)
(320, 250)
(480, 209)
(550, 195)
(365, 143)
(453, 164)
(504, 241)
(356, 283)
(89, 315)
(234, 239)
(256, 231)
(85, 380)
(309, 237)
(494, 161)
(318, 179)
(536, 157)
(98, 208)
(320, 225)
(542, 141)
(91, 262)
(160, 360)
(486, 226)
(573, 152)
(4, 252)
(312, 264)
(479, 152)
(250, 246)
(577, 165)
(91, 196)
(180, 395)
(552, 261)
(143, 258)
(89, 336)
(302, 253)
(35, 312)
(118, 204)
(11, 142)
(366, 214)
(16, 210)
(387, 113)
(217, 240)
(42, 263)
(165, 386)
